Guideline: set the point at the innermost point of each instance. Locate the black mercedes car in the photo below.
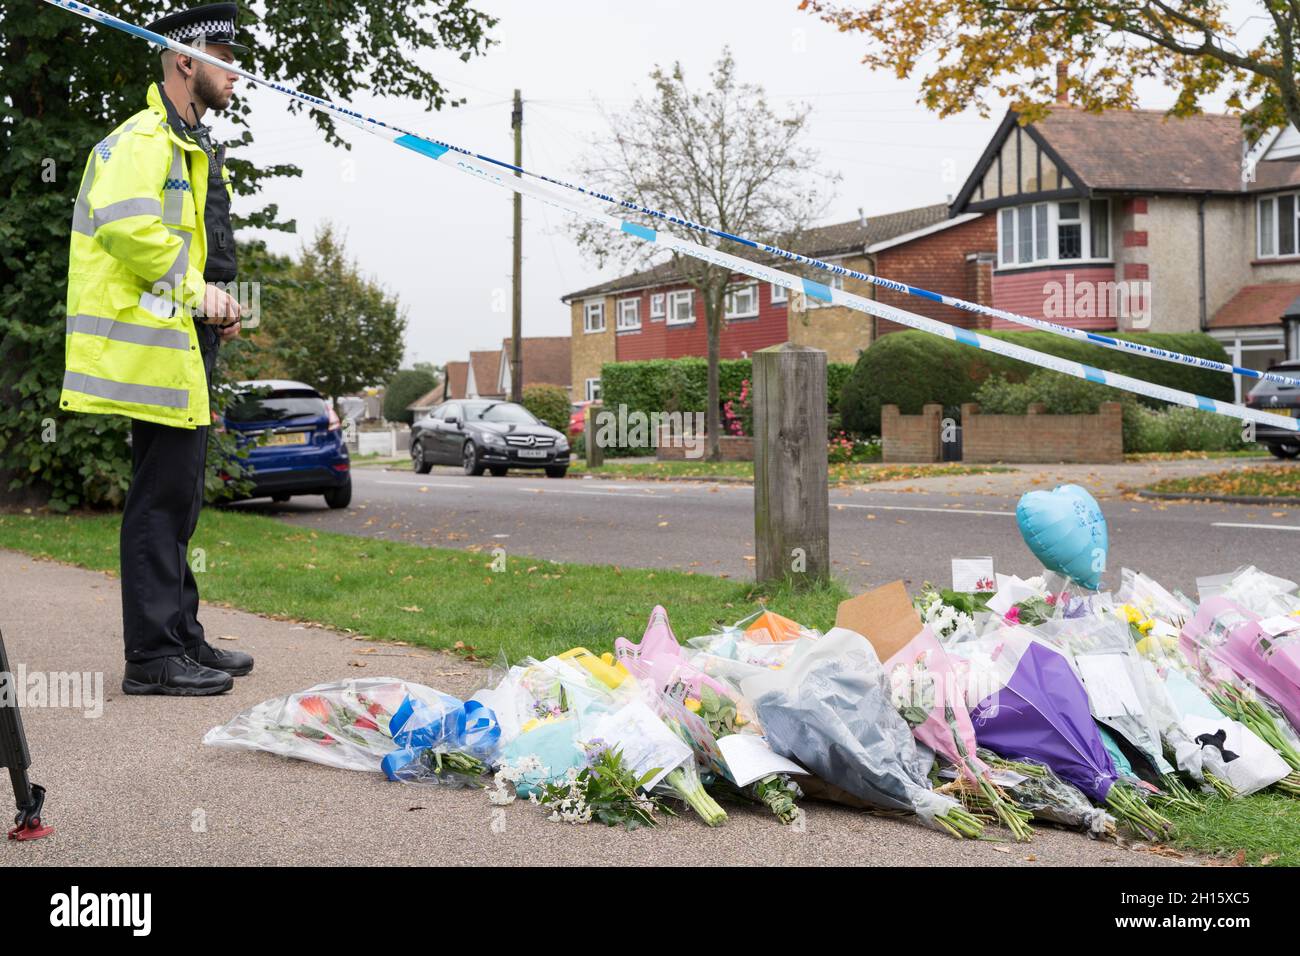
(482, 435)
(1284, 400)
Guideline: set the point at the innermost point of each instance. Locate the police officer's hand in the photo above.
(219, 306)
(228, 332)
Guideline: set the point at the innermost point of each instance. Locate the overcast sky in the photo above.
(441, 243)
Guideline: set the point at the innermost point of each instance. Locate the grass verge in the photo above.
(852, 473)
(1267, 481)
(1263, 828)
(453, 600)
(434, 597)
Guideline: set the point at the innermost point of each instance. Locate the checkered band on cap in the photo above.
(202, 28)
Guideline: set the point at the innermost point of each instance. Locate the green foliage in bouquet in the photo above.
(606, 790)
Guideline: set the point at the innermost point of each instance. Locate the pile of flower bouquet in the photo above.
(1031, 703)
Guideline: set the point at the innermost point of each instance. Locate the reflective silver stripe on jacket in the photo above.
(126, 392)
(173, 276)
(125, 209)
(128, 332)
(81, 221)
(173, 196)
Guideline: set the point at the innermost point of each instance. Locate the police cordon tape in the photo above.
(481, 168)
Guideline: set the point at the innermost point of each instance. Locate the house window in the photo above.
(1099, 227)
(681, 307)
(1069, 230)
(629, 314)
(834, 281)
(593, 317)
(657, 305)
(1051, 232)
(780, 295)
(742, 301)
(593, 389)
(1279, 230)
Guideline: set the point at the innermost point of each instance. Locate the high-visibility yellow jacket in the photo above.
(135, 269)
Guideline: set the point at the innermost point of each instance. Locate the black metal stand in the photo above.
(29, 797)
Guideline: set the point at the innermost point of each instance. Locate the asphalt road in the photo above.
(130, 782)
(876, 534)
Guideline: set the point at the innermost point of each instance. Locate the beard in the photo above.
(209, 91)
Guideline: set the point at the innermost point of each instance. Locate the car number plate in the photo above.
(292, 438)
(532, 453)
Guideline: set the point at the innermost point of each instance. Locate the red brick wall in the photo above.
(1028, 291)
(1042, 438)
(937, 262)
(740, 337)
(910, 438)
(731, 447)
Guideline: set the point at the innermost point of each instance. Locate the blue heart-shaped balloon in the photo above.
(1066, 531)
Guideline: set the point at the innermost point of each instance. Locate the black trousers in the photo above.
(160, 598)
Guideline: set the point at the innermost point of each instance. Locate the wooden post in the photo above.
(791, 495)
(595, 454)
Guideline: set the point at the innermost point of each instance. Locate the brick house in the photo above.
(1133, 220)
(655, 314)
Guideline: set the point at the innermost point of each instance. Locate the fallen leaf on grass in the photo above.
(1268, 858)
(412, 609)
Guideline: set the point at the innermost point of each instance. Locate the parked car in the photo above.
(1283, 399)
(578, 418)
(292, 439)
(482, 435)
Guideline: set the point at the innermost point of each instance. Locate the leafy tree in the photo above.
(718, 156)
(64, 83)
(975, 49)
(342, 332)
(405, 387)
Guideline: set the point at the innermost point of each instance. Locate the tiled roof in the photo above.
(836, 239)
(487, 371)
(457, 377)
(1258, 305)
(1146, 149)
(546, 359)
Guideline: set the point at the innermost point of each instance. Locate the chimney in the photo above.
(862, 219)
(1062, 96)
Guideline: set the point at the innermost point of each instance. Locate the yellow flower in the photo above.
(692, 705)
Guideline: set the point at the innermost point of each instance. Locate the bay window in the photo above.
(1054, 232)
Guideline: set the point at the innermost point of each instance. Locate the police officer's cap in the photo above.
(212, 23)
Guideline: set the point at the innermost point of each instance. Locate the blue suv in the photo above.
(291, 437)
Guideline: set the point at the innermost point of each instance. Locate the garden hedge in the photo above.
(912, 368)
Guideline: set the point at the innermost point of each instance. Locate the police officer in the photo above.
(151, 237)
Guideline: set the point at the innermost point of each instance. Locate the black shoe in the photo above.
(178, 676)
(234, 663)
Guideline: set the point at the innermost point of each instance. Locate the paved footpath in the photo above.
(134, 785)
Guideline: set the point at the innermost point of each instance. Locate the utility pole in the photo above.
(516, 304)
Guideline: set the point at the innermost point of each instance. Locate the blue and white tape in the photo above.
(492, 170)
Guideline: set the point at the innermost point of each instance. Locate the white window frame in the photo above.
(657, 307)
(594, 307)
(780, 294)
(730, 310)
(676, 296)
(1273, 202)
(593, 389)
(835, 281)
(629, 315)
(1043, 245)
